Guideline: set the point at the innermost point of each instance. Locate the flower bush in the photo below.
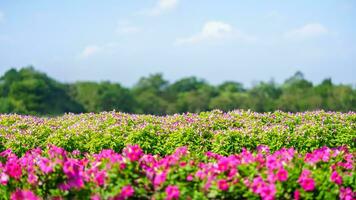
(53, 173)
(223, 133)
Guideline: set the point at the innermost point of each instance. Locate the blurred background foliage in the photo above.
(28, 91)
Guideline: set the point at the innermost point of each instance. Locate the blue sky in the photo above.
(121, 41)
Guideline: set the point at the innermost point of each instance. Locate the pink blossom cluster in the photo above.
(57, 173)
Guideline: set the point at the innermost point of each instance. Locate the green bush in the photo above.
(223, 133)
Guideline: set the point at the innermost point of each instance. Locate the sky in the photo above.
(225, 40)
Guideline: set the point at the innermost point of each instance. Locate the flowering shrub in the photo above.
(223, 133)
(325, 173)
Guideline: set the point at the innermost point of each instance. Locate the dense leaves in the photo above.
(223, 133)
(27, 91)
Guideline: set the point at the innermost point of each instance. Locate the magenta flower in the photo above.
(8, 154)
(172, 192)
(189, 177)
(13, 169)
(76, 153)
(133, 152)
(55, 152)
(282, 174)
(72, 168)
(273, 163)
(336, 178)
(346, 194)
(32, 178)
(181, 151)
(271, 177)
(127, 191)
(76, 182)
(305, 173)
(223, 185)
(257, 185)
(223, 164)
(296, 195)
(268, 192)
(308, 184)
(159, 179)
(100, 178)
(305, 180)
(232, 173)
(95, 197)
(23, 195)
(263, 149)
(45, 165)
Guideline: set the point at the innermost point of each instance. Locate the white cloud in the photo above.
(125, 27)
(163, 6)
(89, 50)
(311, 30)
(214, 30)
(92, 50)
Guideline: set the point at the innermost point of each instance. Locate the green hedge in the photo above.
(223, 133)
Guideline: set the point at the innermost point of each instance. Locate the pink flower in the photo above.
(247, 182)
(223, 185)
(76, 153)
(263, 149)
(273, 163)
(308, 184)
(13, 169)
(271, 177)
(181, 151)
(133, 152)
(159, 179)
(55, 152)
(200, 174)
(207, 185)
(8, 154)
(23, 195)
(189, 177)
(4, 178)
(223, 164)
(95, 197)
(305, 173)
(182, 164)
(305, 180)
(346, 194)
(172, 192)
(232, 173)
(127, 191)
(45, 165)
(282, 174)
(257, 185)
(247, 156)
(32, 178)
(296, 195)
(100, 178)
(336, 178)
(76, 182)
(72, 168)
(268, 192)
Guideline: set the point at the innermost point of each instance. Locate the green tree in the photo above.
(263, 96)
(228, 101)
(32, 92)
(149, 93)
(115, 97)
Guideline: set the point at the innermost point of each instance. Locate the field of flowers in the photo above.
(211, 155)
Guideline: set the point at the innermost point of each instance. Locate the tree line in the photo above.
(28, 91)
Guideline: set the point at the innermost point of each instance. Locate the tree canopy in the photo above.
(28, 91)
